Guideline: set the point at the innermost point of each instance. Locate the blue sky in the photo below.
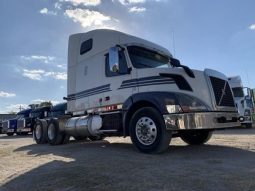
(201, 33)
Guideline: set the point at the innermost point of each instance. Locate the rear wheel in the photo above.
(148, 131)
(195, 137)
(40, 132)
(55, 137)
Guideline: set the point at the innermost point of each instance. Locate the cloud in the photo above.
(127, 2)
(137, 9)
(42, 74)
(252, 27)
(38, 58)
(57, 75)
(6, 94)
(88, 18)
(58, 5)
(84, 2)
(45, 11)
(33, 74)
(15, 107)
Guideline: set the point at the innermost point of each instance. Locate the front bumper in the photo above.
(201, 120)
(10, 130)
(25, 130)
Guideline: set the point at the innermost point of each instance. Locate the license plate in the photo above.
(10, 130)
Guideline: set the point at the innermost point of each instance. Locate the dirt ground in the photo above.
(227, 162)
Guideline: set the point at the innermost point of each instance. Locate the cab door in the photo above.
(118, 72)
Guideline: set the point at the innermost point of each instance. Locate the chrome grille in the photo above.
(222, 92)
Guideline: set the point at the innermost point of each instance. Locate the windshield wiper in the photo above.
(176, 63)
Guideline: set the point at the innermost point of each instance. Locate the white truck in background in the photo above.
(243, 100)
(121, 85)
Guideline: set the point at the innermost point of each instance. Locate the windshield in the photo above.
(145, 58)
(35, 114)
(238, 92)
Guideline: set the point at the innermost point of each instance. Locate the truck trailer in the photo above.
(122, 85)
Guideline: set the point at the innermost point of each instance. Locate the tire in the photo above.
(40, 132)
(54, 136)
(148, 131)
(10, 134)
(96, 138)
(195, 137)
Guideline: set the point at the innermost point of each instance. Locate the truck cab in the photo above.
(26, 123)
(243, 100)
(121, 85)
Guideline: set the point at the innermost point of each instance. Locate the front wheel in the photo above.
(195, 137)
(148, 131)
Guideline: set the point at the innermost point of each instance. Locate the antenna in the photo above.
(173, 40)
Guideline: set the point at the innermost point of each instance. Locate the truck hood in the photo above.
(199, 87)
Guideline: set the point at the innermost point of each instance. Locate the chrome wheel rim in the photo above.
(146, 131)
(38, 132)
(51, 132)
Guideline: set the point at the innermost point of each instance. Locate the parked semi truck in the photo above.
(243, 100)
(10, 126)
(121, 85)
(26, 123)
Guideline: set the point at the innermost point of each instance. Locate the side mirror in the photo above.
(114, 59)
(175, 62)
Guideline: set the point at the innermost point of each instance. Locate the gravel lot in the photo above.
(227, 162)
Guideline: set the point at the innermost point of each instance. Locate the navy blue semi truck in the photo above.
(10, 126)
(26, 123)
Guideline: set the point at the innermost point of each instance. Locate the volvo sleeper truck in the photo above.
(122, 85)
(243, 100)
(26, 123)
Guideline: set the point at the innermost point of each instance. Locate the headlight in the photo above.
(191, 104)
(173, 108)
(186, 103)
